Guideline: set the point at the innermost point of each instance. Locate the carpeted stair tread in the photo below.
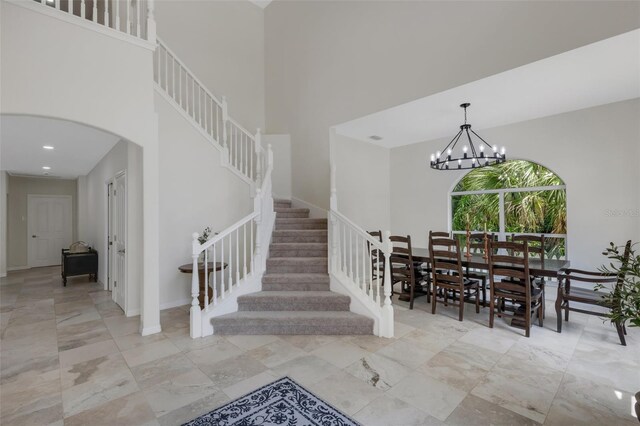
(297, 264)
(288, 212)
(298, 250)
(299, 235)
(295, 282)
(294, 301)
(292, 322)
(300, 223)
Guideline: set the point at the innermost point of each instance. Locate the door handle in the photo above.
(121, 251)
(34, 236)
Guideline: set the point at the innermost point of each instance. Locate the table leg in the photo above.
(202, 284)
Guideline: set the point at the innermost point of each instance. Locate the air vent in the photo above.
(375, 137)
(27, 175)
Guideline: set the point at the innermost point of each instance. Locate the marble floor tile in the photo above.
(385, 411)
(251, 342)
(406, 353)
(76, 335)
(309, 343)
(212, 354)
(133, 340)
(432, 396)
(193, 410)
(276, 353)
(306, 370)
(369, 343)
(92, 383)
(341, 353)
(378, 371)
(350, 397)
(87, 353)
(233, 370)
(179, 391)
(246, 386)
(121, 326)
(460, 365)
(476, 411)
(32, 399)
(186, 343)
(132, 409)
(492, 339)
(150, 352)
(88, 313)
(581, 401)
(162, 370)
(109, 309)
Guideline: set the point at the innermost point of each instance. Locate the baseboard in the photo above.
(150, 330)
(175, 304)
(18, 268)
(3, 274)
(315, 212)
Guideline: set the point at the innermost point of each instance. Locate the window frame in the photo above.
(502, 234)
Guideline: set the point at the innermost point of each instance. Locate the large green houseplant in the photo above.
(625, 298)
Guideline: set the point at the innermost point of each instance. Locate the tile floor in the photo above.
(69, 356)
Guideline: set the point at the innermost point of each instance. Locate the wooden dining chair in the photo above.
(477, 246)
(536, 247)
(516, 285)
(447, 275)
(425, 268)
(376, 256)
(402, 266)
(569, 290)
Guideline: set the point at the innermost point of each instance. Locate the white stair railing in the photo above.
(242, 150)
(133, 17)
(241, 250)
(358, 261)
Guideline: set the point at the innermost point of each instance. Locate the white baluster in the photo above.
(83, 10)
(257, 207)
(94, 16)
(379, 283)
(173, 79)
(128, 15)
(343, 246)
(107, 22)
(215, 284)
(386, 323)
(251, 253)
(195, 312)
(258, 158)
(244, 251)
(225, 119)
(231, 275)
(166, 70)
(222, 292)
(151, 22)
(117, 12)
(357, 271)
(180, 90)
(138, 18)
(200, 105)
(57, 3)
(70, 7)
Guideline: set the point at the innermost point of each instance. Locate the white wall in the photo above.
(595, 151)
(85, 76)
(281, 174)
(362, 182)
(124, 156)
(195, 192)
(328, 62)
(3, 223)
(222, 42)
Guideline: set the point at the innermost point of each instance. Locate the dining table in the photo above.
(547, 268)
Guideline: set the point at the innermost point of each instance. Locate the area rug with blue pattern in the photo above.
(283, 402)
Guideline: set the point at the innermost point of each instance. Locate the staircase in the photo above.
(295, 296)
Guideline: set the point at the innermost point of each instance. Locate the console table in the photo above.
(188, 269)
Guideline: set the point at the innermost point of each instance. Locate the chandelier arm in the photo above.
(473, 149)
(480, 137)
(455, 138)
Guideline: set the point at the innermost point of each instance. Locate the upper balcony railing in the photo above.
(132, 17)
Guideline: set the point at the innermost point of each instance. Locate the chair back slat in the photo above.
(511, 267)
(445, 257)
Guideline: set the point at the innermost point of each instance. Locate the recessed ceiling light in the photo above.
(47, 147)
(46, 168)
(375, 137)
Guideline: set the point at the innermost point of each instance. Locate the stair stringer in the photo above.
(359, 304)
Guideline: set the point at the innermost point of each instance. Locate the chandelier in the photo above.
(467, 155)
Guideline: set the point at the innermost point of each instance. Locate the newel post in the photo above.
(386, 323)
(225, 125)
(258, 149)
(195, 312)
(151, 21)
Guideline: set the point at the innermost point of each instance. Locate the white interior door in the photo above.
(119, 240)
(49, 228)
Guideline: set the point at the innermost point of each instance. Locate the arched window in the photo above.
(515, 197)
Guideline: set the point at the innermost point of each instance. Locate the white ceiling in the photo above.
(600, 73)
(78, 148)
